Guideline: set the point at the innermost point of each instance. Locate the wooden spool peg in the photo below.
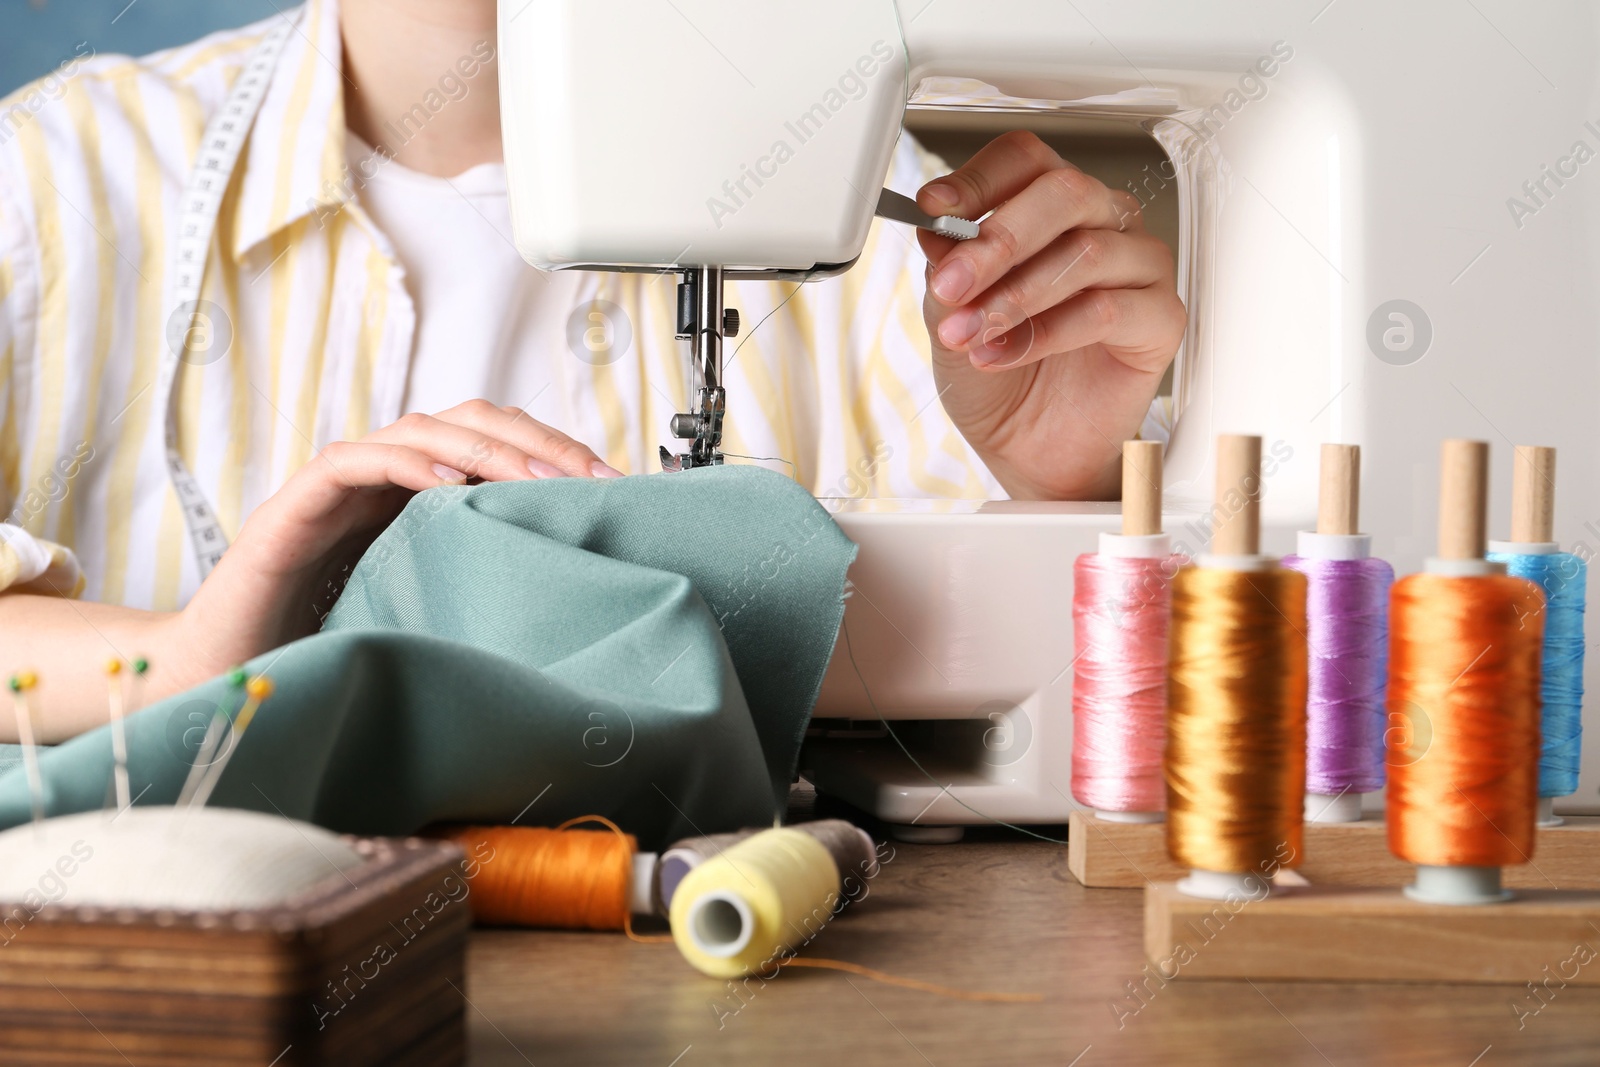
(1141, 488)
(1533, 495)
(1338, 509)
(1339, 491)
(1463, 502)
(1141, 536)
(1236, 506)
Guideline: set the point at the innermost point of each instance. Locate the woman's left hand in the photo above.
(1052, 328)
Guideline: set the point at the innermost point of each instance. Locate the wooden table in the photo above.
(995, 912)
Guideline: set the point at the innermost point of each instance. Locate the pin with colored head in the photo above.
(119, 736)
(21, 684)
(256, 691)
(218, 728)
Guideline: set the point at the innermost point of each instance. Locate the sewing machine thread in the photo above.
(1235, 758)
(1463, 742)
(1121, 607)
(1563, 578)
(1347, 637)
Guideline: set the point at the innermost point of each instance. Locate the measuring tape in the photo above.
(197, 225)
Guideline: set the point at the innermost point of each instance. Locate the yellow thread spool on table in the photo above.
(751, 905)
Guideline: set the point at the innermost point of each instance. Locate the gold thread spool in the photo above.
(1235, 759)
(1235, 762)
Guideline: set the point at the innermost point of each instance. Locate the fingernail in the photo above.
(991, 354)
(943, 194)
(604, 470)
(449, 474)
(541, 469)
(960, 327)
(952, 281)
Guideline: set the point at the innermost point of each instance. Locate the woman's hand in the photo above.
(1052, 328)
(277, 579)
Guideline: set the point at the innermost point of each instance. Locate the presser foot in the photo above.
(672, 462)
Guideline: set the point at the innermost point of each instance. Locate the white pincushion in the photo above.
(206, 859)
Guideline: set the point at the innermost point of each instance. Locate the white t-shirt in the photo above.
(483, 314)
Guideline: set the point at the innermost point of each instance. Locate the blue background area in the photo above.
(36, 35)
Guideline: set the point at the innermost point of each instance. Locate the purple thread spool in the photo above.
(1347, 639)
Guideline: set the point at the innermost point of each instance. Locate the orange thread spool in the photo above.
(562, 878)
(1463, 741)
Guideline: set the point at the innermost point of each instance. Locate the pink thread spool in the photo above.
(1121, 612)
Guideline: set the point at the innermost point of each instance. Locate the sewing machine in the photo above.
(1386, 238)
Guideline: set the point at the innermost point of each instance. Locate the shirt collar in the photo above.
(294, 162)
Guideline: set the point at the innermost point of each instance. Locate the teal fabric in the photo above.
(646, 648)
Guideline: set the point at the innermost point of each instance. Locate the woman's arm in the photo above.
(67, 643)
(270, 586)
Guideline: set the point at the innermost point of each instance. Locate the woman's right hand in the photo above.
(274, 582)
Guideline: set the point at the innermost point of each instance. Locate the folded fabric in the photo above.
(646, 648)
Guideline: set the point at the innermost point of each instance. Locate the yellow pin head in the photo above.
(259, 687)
(114, 666)
(23, 681)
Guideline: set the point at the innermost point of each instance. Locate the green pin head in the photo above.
(141, 665)
(237, 677)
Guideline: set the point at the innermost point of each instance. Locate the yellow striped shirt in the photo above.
(92, 165)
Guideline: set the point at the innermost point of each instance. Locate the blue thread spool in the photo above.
(1533, 554)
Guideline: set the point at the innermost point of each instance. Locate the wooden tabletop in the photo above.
(994, 912)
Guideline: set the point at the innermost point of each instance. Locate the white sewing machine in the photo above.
(1387, 237)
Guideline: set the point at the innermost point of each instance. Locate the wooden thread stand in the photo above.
(1114, 855)
(1325, 932)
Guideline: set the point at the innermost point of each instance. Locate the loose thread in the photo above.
(794, 470)
(911, 983)
(1347, 638)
